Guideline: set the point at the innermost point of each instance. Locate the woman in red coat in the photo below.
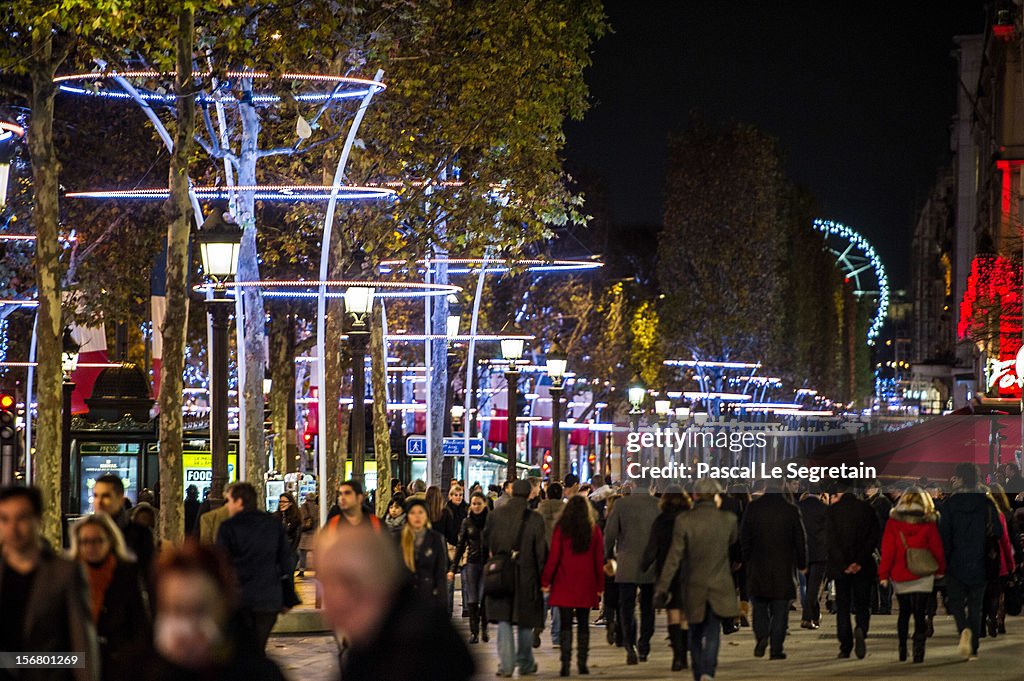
(912, 524)
(574, 575)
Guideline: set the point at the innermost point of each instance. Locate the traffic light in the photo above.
(307, 441)
(8, 437)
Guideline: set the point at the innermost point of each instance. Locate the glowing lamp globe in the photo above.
(636, 392)
(359, 300)
(557, 362)
(662, 407)
(219, 241)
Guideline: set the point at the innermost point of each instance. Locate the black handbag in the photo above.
(1014, 596)
(500, 570)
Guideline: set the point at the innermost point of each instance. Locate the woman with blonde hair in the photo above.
(120, 609)
(912, 526)
(425, 555)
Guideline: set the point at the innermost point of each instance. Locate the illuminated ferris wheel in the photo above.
(857, 259)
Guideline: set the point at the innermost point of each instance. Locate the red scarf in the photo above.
(99, 579)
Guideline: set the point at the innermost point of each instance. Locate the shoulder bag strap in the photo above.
(519, 536)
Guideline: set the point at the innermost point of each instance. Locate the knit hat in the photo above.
(522, 488)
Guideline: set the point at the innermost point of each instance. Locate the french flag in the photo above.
(92, 354)
(158, 310)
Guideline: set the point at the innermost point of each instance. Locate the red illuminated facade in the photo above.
(990, 313)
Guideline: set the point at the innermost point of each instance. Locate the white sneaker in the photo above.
(964, 647)
(706, 677)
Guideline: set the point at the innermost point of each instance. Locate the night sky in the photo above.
(860, 95)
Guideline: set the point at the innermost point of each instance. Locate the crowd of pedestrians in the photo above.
(529, 556)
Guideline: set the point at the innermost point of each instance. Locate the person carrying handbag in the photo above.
(912, 557)
(515, 534)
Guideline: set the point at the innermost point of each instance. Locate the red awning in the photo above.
(931, 449)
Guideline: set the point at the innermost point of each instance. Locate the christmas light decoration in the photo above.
(855, 259)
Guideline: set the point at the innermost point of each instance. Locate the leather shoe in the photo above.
(631, 656)
(760, 647)
(777, 656)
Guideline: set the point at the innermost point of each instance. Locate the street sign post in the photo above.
(450, 446)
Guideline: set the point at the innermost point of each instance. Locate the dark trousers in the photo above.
(582, 633)
(770, 621)
(965, 603)
(812, 602)
(260, 624)
(913, 605)
(853, 595)
(627, 615)
(705, 638)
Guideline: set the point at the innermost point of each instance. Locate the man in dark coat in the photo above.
(853, 534)
(258, 549)
(969, 521)
(392, 634)
(518, 614)
(108, 497)
(881, 504)
(773, 548)
(44, 599)
(812, 511)
(627, 531)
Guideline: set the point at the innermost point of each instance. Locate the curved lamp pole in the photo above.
(219, 241)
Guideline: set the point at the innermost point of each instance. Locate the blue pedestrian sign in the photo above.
(450, 446)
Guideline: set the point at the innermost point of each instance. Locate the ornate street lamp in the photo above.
(512, 349)
(556, 363)
(68, 364)
(636, 392)
(358, 305)
(219, 240)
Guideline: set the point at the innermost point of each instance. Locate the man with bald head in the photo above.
(391, 632)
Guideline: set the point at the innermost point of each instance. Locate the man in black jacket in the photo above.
(881, 596)
(812, 511)
(853, 534)
(44, 601)
(391, 632)
(774, 548)
(258, 549)
(108, 497)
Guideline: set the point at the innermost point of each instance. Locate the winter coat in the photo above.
(626, 533)
(882, 507)
(773, 547)
(430, 579)
(812, 512)
(395, 525)
(576, 579)
(700, 556)
(1007, 564)
(310, 513)
(414, 641)
(58, 620)
(256, 545)
(451, 521)
(921, 531)
(292, 524)
(853, 536)
(124, 623)
(968, 518)
(550, 510)
(526, 606)
(660, 541)
(471, 541)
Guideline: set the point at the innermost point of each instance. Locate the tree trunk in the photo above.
(381, 431)
(173, 331)
(254, 354)
(282, 391)
(46, 220)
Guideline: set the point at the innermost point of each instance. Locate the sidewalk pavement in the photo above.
(811, 655)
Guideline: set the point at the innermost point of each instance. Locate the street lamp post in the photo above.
(219, 241)
(663, 408)
(556, 365)
(68, 363)
(636, 393)
(512, 350)
(358, 304)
